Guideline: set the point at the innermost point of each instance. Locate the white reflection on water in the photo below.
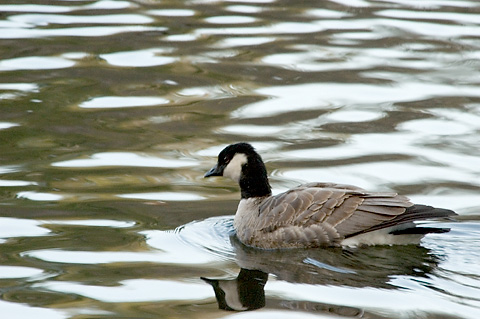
(393, 26)
(140, 58)
(209, 92)
(328, 95)
(276, 28)
(92, 222)
(325, 13)
(435, 164)
(434, 30)
(464, 18)
(46, 19)
(33, 8)
(244, 9)
(171, 250)
(353, 3)
(408, 143)
(253, 130)
(22, 311)
(35, 63)
(75, 55)
(278, 314)
(353, 116)
(108, 102)
(179, 247)
(348, 38)
(320, 58)
(10, 183)
(39, 196)
(230, 19)
(434, 4)
(135, 290)
(180, 37)
(106, 5)
(26, 87)
(178, 255)
(15, 32)
(251, 1)
(103, 4)
(125, 159)
(467, 119)
(197, 243)
(172, 12)
(9, 169)
(15, 227)
(243, 41)
(5, 125)
(391, 301)
(18, 272)
(373, 176)
(164, 196)
(435, 127)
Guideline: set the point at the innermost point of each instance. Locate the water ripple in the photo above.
(98, 5)
(21, 33)
(112, 111)
(123, 159)
(105, 102)
(35, 63)
(33, 20)
(141, 58)
(15, 227)
(330, 95)
(139, 290)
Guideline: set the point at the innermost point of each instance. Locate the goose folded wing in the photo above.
(347, 209)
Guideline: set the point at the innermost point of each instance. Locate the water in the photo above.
(112, 111)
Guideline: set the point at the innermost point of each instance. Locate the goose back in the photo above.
(316, 214)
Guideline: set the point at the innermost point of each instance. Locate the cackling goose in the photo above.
(317, 214)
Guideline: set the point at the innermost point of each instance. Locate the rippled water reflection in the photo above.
(111, 111)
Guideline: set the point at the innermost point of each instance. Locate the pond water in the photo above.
(112, 111)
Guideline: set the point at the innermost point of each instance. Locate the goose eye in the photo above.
(226, 160)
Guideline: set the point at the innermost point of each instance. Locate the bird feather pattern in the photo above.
(321, 214)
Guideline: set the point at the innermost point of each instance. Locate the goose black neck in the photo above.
(254, 180)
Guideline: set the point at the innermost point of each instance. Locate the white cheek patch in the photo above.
(234, 168)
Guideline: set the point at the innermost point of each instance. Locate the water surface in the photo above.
(112, 111)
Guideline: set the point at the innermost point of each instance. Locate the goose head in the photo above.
(241, 163)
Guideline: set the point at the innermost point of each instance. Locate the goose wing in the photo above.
(325, 213)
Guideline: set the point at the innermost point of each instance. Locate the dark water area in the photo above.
(112, 111)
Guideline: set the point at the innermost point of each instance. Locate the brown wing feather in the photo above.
(345, 210)
(318, 214)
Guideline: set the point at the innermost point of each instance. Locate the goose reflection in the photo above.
(369, 266)
(374, 267)
(246, 292)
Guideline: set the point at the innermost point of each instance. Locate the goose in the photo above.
(317, 214)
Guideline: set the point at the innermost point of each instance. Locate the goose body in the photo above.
(317, 214)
